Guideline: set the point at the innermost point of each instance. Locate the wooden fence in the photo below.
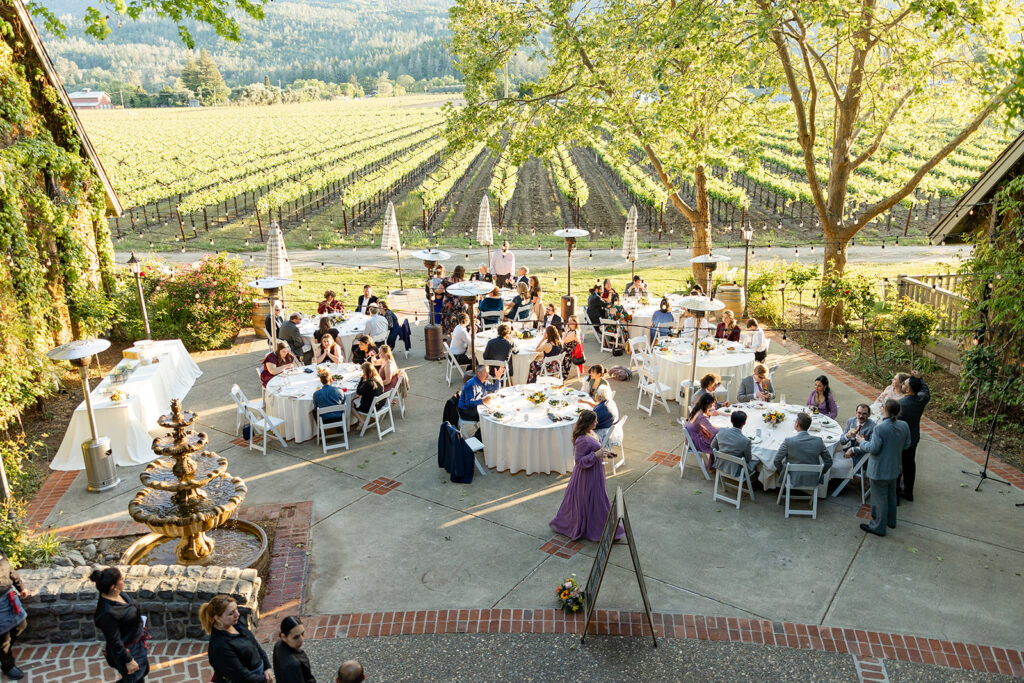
(943, 294)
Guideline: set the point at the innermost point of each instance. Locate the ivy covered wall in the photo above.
(56, 257)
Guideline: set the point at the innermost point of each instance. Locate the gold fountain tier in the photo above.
(187, 493)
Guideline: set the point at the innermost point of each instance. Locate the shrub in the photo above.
(16, 451)
(763, 285)
(18, 544)
(854, 295)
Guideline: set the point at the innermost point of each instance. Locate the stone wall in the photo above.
(62, 600)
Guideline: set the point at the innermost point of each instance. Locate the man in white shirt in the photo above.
(758, 341)
(461, 339)
(503, 264)
(365, 299)
(377, 325)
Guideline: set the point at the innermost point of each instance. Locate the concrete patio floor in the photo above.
(951, 570)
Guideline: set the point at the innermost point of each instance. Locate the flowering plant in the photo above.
(118, 396)
(773, 417)
(570, 597)
(705, 345)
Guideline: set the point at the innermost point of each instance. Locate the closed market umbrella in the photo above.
(630, 250)
(276, 264)
(484, 229)
(391, 241)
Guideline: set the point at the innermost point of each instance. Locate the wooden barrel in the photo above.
(260, 311)
(732, 296)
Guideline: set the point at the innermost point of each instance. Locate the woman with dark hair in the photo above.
(369, 388)
(363, 350)
(118, 619)
(536, 298)
(394, 327)
(12, 616)
(586, 505)
(291, 664)
(595, 378)
(549, 348)
(595, 308)
(821, 399)
(572, 345)
(325, 328)
(234, 654)
(699, 426)
(277, 362)
(452, 305)
(662, 321)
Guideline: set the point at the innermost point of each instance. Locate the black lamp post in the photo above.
(748, 233)
(134, 266)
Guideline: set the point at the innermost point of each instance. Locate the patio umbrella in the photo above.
(391, 241)
(484, 229)
(699, 306)
(630, 252)
(276, 264)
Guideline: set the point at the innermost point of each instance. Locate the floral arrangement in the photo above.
(570, 597)
(321, 371)
(773, 417)
(536, 398)
(644, 300)
(118, 396)
(524, 334)
(705, 345)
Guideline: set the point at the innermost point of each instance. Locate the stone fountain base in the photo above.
(238, 543)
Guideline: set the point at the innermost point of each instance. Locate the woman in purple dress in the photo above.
(586, 505)
(699, 426)
(821, 399)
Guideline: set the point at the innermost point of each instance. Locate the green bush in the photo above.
(18, 544)
(16, 451)
(763, 284)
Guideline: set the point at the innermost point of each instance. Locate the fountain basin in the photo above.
(237, 543)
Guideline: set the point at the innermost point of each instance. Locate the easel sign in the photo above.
(616, 514)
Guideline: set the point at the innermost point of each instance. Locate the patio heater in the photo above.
(748, 233)
(432, 332)
(570, 235)
(699, 306)
(100, 468)
(271, 286)
(135, 267)
(470, 290)
(710, 262)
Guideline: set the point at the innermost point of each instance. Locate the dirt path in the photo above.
(465, 200)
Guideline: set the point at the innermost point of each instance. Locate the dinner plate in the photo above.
(829, 438)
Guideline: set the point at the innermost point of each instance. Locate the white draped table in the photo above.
(147, 389)
(520, 361)
(353, 325)
(672, 357)
(519, 435)
(290, 397)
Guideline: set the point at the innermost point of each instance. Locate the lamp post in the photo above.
(748, 232)
(135, 267)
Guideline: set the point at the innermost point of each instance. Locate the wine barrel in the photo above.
(260, 311)
(732, 296)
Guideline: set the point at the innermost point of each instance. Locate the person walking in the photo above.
(503, 264)
(911, 409)
(12, 616)
(889, 440)
(234, 654)
(122, 626)
(291, 664)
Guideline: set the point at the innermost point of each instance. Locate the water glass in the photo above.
(782, 399)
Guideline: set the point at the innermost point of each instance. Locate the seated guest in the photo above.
(595, 379)
(572, 345)
(895, 391)
(363, 350)
(699, 426)
(330, 304)
(365, 299)
(727, 329)
(551, 319)
(519, 308)
(460, 339)
(390, 374)
(662, 320)
(325, 328)
(328, 396)
(690, 321)
(481, 274)
(394, 327)
(377, 325)
(277, 362)
(758, 341)
(491, 306)
(756, 387)
(821, 400)
(476, 392)
(522, 276)
(595, 309)
(501, 347)
(708, 384)
(696, 290)
(370, 387)
(803, 449)
(289, 332)
(547, 350)
(605, 408)
(731, 440)
(536, 298)
(327, 351)
(607, 290)
(860, 424)
(278, 320)
(637, 287)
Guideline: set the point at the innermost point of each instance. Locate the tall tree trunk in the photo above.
(701, 226)
(836, 245)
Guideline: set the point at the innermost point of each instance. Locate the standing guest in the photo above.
(758, 340)
(733, 441)
(277, 362)
(637, 287)
(536, 298)
(895, 391)
(291, 664)
(699, 425)
(912, 407)
(118, 619)
(595, 309)
(728, 329)
(452, 305)
(890, 438)
(756, 387)
(12, 616)
(551, 319)
(662, 320)
(503, 264)
(519, 307)
(350, 671)
(523, 275)
(476, 392)
(501, 347)
(606, 410)
(277, 318)
(435, 293)
(394, 327)
(585, 507)
(461, 340)
(330, 304)
(607, 290)
(234, 654)
(377, 325)
(821, 400)
(363, 350)
(595, 379)
(803, 449)
(365, 299)
(323, 328)
(548, 349)
(860, 425)
(327, 351)
(370, 387)
(490, 307)
(328, 398)
(572, 344)
(481, 274)
(390, 373)
(289, 332)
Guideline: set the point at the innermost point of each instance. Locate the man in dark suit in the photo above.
(501, 347)
(802, 449)
(278, 320)
(482, 275)
(595, 309)
(289, 332)
(911, 409)
(365, 299)
(889, 439)
(552, 318)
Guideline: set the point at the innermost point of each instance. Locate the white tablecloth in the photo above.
(520, 361)
(127, 423)
(524, 438)
(672, 358)
(353, 326)
(767, 439)
(290, 397)
(643, 313)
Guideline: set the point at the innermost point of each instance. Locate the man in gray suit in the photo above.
(289, 332)
(802, 449)
(756, 387)
(859, 425)
(731, 440)
(888, 441)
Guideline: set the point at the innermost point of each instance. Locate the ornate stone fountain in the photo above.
(188, 500)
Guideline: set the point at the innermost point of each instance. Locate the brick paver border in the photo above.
(561, 546)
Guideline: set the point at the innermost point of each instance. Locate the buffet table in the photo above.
(290, 397)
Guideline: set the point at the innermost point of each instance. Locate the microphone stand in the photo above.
(983, 474)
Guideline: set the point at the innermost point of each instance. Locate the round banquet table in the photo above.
(643, 313)
(520, 361)
(672, 358)
(348, 329)
(290, 397)
(766, 439)
(519, 435)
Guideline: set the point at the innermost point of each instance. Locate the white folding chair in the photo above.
(241, 403)
(611, 334)
(265, 424)
(771, 371)
(722, 390)
(547, 364)
(397, 391)
(688, 449)
(858, 470)
(490, 320)
(653, 388)
(332, 420)
(451, 365)
(639, 352)
(738, 480)
(809, 492)
(614, 437)
(585, 325)
(477, 446)
(503, 381)
(379, 409)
